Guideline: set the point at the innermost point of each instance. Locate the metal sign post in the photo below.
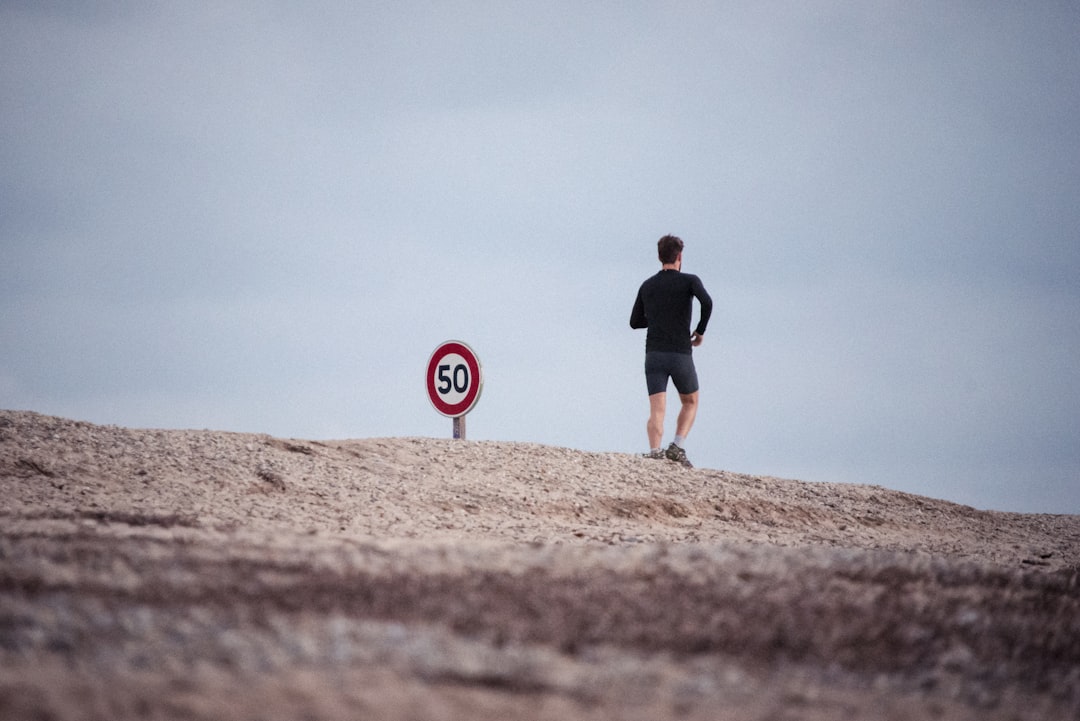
(454, 381)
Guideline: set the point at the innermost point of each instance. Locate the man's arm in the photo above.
(637, 315)
(706, 307)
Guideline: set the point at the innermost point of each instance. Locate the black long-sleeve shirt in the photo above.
(664, 304)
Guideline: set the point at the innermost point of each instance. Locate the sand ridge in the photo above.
(159, 571)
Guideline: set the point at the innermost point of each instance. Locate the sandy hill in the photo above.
(210, 575)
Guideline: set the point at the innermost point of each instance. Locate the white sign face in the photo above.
(454, 379)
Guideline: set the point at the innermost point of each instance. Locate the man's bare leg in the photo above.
(687, 414)
(655, 427)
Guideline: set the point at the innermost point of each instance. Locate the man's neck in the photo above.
(669, 266)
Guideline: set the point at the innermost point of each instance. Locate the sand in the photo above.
(163, 574)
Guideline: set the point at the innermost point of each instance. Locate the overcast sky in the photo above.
(265, 216)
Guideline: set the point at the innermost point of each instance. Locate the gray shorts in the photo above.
(659, 366)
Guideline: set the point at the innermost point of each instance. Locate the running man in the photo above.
(664, 305)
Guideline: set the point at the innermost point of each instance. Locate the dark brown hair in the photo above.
(668, 248)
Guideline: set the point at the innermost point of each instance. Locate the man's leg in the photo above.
(655, 427)
(687, 413)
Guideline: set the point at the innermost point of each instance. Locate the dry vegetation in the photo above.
(205, 575)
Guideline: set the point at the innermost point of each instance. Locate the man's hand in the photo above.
(696, 339)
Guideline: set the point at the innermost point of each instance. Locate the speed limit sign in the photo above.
(454, 379)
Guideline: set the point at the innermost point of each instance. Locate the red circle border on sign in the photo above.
(454, 410)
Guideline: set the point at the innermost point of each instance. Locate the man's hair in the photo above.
(668, 248)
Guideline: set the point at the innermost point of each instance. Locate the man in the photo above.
(664, 304)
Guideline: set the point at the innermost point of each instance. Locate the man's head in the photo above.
(668, 248)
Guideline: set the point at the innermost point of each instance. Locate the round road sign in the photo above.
(454, 379)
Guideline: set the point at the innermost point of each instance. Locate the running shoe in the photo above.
(674, 453)
(656, 455)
